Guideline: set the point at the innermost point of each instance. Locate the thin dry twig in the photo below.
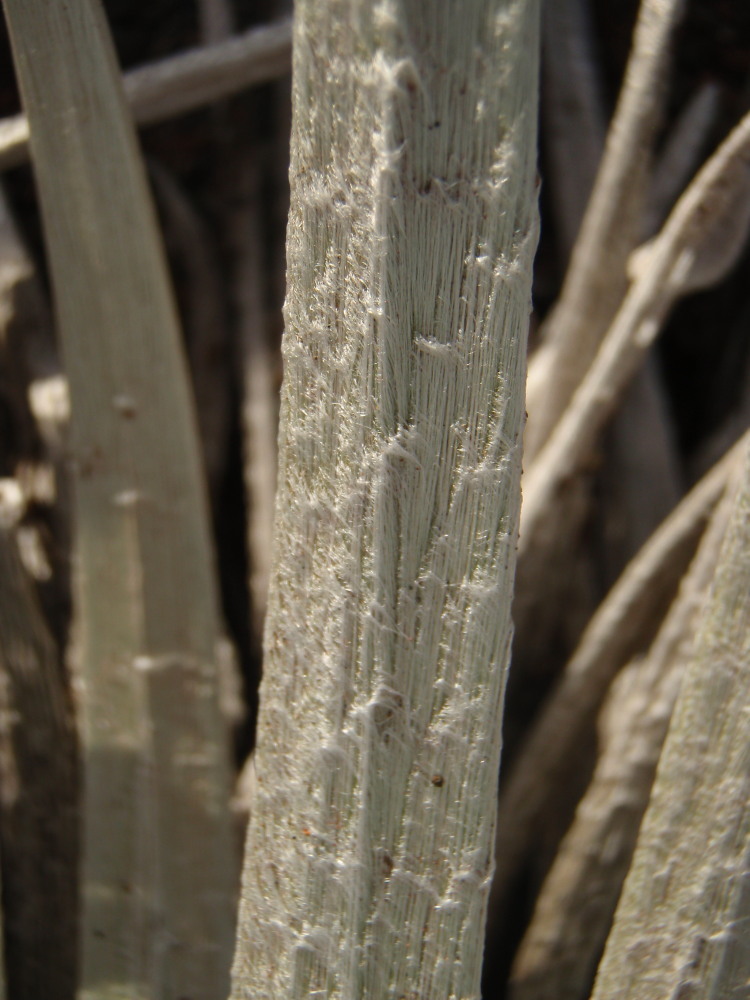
(596, 281)
(675, 262)
(182, 83)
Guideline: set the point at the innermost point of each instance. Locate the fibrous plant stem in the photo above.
(411, 234)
